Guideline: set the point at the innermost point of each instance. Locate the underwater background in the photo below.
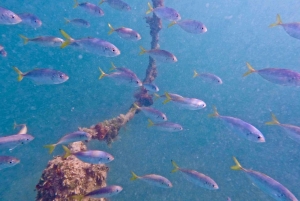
(237, 33)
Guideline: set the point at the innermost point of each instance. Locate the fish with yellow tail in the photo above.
(89, 8)
(197, 178)
(23, 129)
(267, 184)
(164, 13)
(117, 4)
(208, 77)
(154, 114)
(165, 126)
(78, 22)
(104, 192)
(153, 179)
(185, 103)
(292, 28)
(90, 156)
(240, 127)
(190, 26)
(279, 76)
(161, 56)
(69, 138)
(47, 41)
(93, 45)
(125, 33)
(292, 131)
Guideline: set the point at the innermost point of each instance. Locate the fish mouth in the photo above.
(204, 29)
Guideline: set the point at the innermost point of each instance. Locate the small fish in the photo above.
(191, 26)
(69, 138)
(122, 77)
(172, 96)
(90, 8)
(49, 41)
(293, 28)
(125, 33)
(151, 87)
(8, 17)
(160, 55)
(90, 156)
(104, 192)
(92, 45)
(43, 76)
(165, 126)
(279, 76)
(185, 103)
(267, 184)
(23, 129)
(292, 131)
(208, 77)
(153, 179)
(122, 69)
(242, 128)
(117, 4)
(153, 114)
(12, 141)
(164, 13)
(196, 177)
(8, 161)
(2, 51)
(30, 20)
(78, 22)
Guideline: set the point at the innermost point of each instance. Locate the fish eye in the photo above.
(10, 162)
(113, 50)
(108, 158)
(258, 137)
(13, 16)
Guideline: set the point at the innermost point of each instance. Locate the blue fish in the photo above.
(293, 28)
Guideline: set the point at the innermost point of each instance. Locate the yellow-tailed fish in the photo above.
(48, 41)
(125, 33)
(164, 13)
(117, 4)
(23, 129)
(78, 22)
(153, 179)
(153, 114)
(159, 55)
(208, 77)
(185, 103)
(89, 8)
(165, 126)
(190, 26)
(292, 28)
(104, 192)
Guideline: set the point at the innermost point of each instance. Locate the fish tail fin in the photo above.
(150, 9)
(237, 165)
(15, 124)
(102, 74)
(156, 96)
(195, 74)
(278, 21)
(20, 74)
(67, 20)
(111, 29)
(101, 2)
(168, 98)
(176, 168)
(68, 152)
(172, 23)
(274, 120)
(134, 176)
(113, 67)
(150, 123)
(143, 50)
(67, 37)
(135, 106)
(25, 39)
(75, 3)
(215, 114)
(250, 68)
(51, 147)
(77, 197)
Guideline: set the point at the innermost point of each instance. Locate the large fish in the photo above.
(267, 184)
(153, 179)
(8, 17)
(12, 141)
(103, 192)
(293, 28)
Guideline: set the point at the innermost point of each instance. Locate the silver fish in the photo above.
(242, 128)
(151, 87)
(122, 69)
(160, 55)
(117, 4)
(279, 76)
(166, 126)
(123, 77)
(208, 77)
(190, 26)
(197, 178)
(267, 184)
(153, 114)
(90, 156)
(12, 141)
(90, 8)
(104, 192)
(292, 131)
(69, 138)
(43, 76)
(30, 20)
(153, 179)
(92, 45)
(78, 22)
(23, 129)
(164, 13)
(8, 17)
(8, 161)
(293, 28)
(49, 41)
(2, 51)
(125, 33)
(185, 103)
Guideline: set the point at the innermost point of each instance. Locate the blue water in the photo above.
(237, 33)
